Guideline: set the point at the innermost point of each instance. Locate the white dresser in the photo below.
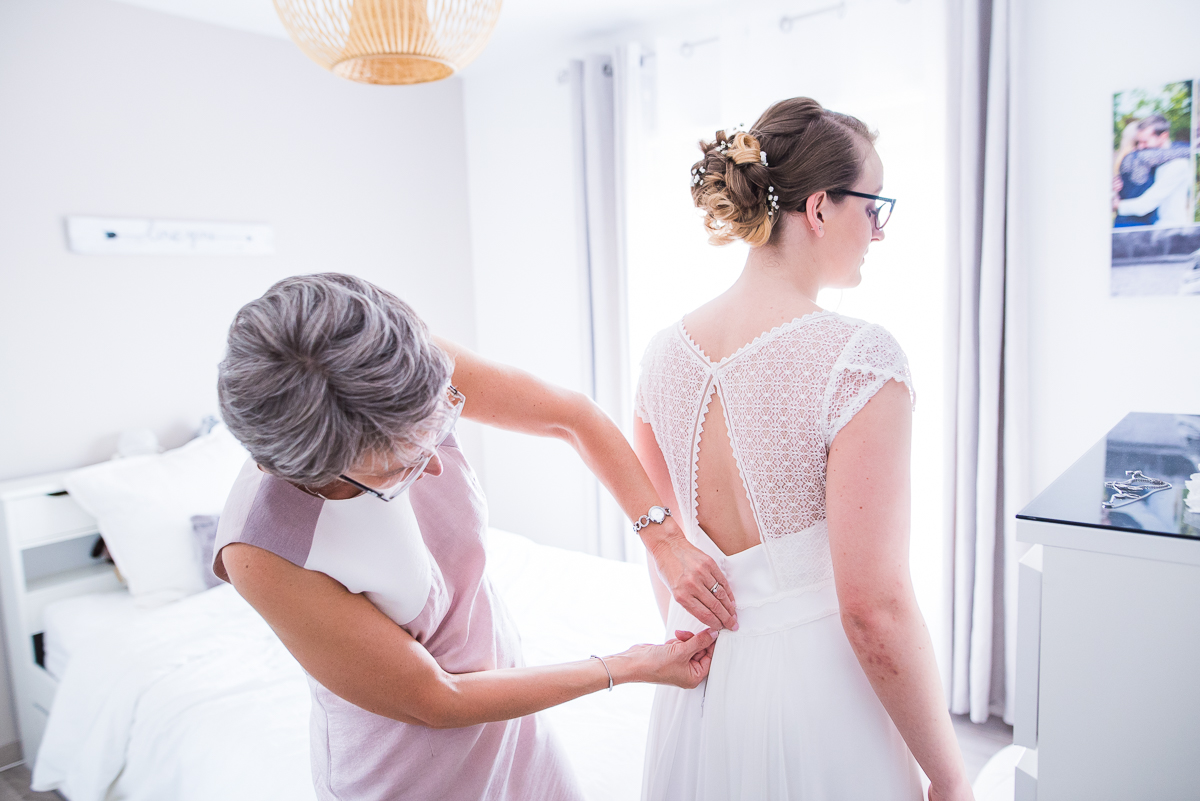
(1108, 625)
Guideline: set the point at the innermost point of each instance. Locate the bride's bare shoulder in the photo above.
(708, 312)
(728, 322)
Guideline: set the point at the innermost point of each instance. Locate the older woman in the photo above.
(356, 530)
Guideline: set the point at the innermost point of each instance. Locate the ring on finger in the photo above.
(713, 589)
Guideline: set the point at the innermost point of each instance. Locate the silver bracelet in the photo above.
(606, 670)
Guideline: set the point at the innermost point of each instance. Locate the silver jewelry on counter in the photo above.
(1136, 487)
(606, 670)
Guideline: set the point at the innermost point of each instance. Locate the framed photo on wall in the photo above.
(1156, 191)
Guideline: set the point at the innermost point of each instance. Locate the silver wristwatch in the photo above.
(657, 514)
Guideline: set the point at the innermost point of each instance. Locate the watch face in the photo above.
(656, 514)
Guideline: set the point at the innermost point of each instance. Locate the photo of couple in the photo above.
(1155, 191)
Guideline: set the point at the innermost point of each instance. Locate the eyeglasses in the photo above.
(883, 206)
(443, 422)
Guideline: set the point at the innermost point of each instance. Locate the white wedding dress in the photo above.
(786, 711)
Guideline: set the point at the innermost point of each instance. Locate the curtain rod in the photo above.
(785, 23)
(686, 49)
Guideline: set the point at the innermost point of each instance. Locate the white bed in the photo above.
(198, 700)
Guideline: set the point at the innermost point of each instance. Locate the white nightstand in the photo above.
(1108, 626)
(44, 540)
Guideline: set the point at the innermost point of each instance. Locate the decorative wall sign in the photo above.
(131, 235)
(1156, 191)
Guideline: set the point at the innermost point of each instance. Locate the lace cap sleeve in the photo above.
(870, 359)
(640, 393)
(639, 399)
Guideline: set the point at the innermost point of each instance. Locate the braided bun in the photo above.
(741, 189)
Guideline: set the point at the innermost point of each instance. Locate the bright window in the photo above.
(897, 90)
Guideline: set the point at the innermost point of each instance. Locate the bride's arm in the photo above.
(867, 505)
(505, 397)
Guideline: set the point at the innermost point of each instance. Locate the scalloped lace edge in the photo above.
(863, 398)
(695, 466)
(733, 449)
(766, 335)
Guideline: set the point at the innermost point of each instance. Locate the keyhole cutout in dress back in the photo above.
(723, 508)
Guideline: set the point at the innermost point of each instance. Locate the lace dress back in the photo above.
(786, 713)
(785, 396)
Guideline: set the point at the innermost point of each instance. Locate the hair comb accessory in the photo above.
(762, 156)
(772, 202)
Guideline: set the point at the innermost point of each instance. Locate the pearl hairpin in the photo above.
(772, 202)
(762, 156)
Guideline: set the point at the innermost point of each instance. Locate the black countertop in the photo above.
(1162, 446)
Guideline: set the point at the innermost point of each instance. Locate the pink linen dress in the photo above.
(420, 559)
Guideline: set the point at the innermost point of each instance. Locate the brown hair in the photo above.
(809, 149)
(1157, 123)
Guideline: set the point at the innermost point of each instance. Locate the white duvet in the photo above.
(199, 700)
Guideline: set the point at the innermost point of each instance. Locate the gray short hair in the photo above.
(323, 370)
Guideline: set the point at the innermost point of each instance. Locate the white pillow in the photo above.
(144, 506)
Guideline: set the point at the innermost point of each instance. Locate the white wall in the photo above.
(112, 110)
(1093, 357)
(115, 111)
(528, 293)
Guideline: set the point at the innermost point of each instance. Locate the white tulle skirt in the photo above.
(785, 713)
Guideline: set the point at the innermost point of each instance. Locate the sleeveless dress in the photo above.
(420, 559)
(786, 711)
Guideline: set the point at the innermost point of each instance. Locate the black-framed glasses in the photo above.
(446, 418)
(883, 206)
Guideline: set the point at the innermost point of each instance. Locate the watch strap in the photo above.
(644, 521)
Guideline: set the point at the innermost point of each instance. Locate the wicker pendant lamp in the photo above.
(390, 41)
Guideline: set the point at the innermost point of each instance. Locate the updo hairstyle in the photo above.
(324, 370)
(809, 149)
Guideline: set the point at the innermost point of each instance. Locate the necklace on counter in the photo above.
(1136, 487)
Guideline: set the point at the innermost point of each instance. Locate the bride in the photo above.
(781, 431)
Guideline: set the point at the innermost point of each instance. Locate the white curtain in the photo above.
(641, 112)
(602, 116)
(986, 421)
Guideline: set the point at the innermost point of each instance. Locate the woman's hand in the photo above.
(686, 571)
(508, 398)
(690, 575)
(682, 662)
